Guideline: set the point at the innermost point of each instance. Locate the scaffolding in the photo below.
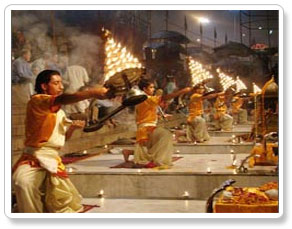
(264, 21)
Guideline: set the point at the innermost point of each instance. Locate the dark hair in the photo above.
(144, 83)
(44, 77)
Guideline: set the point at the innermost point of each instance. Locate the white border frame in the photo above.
(7, 111)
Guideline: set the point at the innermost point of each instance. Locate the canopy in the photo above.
(170, 36)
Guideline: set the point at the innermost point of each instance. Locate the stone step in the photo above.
(227, 133)
(216, 145)
(107, 205)
(188, 174)
(236, 130)
(81, 140)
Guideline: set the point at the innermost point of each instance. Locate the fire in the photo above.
(198, 72)
(256, 89)
(226, 81)
(239, 84)
(117, 58)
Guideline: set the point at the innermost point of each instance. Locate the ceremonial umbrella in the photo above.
(170, 36)
(168, 45)
(233, 49)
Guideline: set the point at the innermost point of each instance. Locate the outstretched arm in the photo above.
(177, 93)
(211, 96)
(100, 93)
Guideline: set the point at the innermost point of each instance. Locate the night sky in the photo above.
(226, 22)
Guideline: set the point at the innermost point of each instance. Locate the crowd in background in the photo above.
(28, 61)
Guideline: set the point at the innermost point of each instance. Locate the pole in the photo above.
(186, 28)
(215, 37)
(255, 118)
(201, 34)
(166, 20)
(240, 26)
(268, 29)
(149, 24)
(249, 28)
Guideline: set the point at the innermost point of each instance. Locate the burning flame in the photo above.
(117, 58)
(256, 89)
(240, 85)
(225, 80)
(198, 72)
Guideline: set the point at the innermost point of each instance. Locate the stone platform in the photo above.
(216, 145)
(188, 174)
(107, 205)
(239, 129)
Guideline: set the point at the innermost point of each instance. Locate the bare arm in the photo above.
(100, 93)
(211, 96)
(177, 93)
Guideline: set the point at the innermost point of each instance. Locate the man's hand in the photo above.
(100, 93)
(78, 124)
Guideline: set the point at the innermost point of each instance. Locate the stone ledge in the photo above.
(155, 185)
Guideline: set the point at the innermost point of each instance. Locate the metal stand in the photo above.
(224, 185)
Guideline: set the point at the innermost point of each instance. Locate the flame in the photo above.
(256, 89)
(239, 84)
(118, 58)
(225, 80)
(198, 72)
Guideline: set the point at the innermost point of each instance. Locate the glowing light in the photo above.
(226, 81)
(203, 20)
(198, 72)
(117, 58)
(101, 193)
(240, 85)
(208, 170)
(256, 89)
(186, 194)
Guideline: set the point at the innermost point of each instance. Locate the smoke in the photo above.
(85, 50)
(39, 29)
